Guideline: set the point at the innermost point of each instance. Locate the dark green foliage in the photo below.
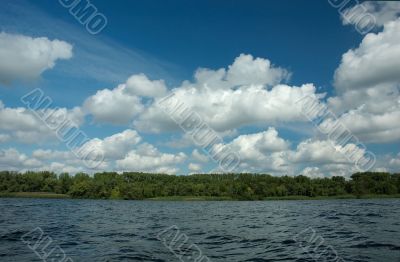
(130, 185)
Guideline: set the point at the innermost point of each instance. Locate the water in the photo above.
(96, 230)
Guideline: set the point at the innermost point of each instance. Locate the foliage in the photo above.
(131, 185)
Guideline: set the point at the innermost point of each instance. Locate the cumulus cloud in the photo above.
(121, 104)
(370, 127)
(320, 152)
(317, 158)
(63, 161)
(375, 61)
(58, 167)
(4, 138)
(267, 152)
(12, 159)
(113, 106)
(95, 153)
(23, 125)
(46, 154)
(221, 91)
(312, 172)
(329, 170)
(149, 159)
(142, 86)
(196, 155)
(240, 96)
(266, 141)
(379, 13)
(115, 146)
(248, 92)
(26, 58)
(394, 163)
(378, 99)
(247, 70)
(194, 167)
(122, 151)
(367, 82)
(262, 152)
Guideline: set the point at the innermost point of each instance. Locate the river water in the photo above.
(105, 230)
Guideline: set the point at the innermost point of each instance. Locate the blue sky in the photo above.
(162, 44)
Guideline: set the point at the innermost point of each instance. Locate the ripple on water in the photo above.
(224, 231)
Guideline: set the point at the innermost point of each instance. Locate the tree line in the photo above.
(133, 185)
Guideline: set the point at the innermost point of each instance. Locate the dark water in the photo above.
(96, 230)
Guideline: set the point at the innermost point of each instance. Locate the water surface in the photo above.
(100, 230)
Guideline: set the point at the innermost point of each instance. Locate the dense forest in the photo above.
(130, 185)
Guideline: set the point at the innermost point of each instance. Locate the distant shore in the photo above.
(210, 198)
(33, 195)
(50, 195)
(196, 187)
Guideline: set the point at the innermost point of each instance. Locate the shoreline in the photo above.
(282, 198)
(34, 195)
(49, 195)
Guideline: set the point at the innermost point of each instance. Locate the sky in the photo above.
(240, 69)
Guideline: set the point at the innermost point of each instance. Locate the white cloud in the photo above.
(149, 159)
(275, 163)
(329, 170)
(64, 161)
(140, 85)
(252, 144)
(122, 151)
(26, 58)
(58, 167)
(375, 61)
(268, 153)
(113, 106)
(47, 154)
(381, 11)
(327, 158)
(377, 99)
(368, 86)
(121, 104)
(247, 70)
(262, 152)
(214, 91)
(194, 167)
(247, 93)
(98, 153)
(12, 159)
(24, 126)
(320, 152)
(312, 172)
(394, 163)
(4, 138)
(115, 146)
(154, 120)
(185, 140)
(199, 156)
(369, 127)
(369, 75)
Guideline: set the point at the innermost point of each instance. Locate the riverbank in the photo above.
(370, 196)
(202, 198)
(34, 195)
(209, 198)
